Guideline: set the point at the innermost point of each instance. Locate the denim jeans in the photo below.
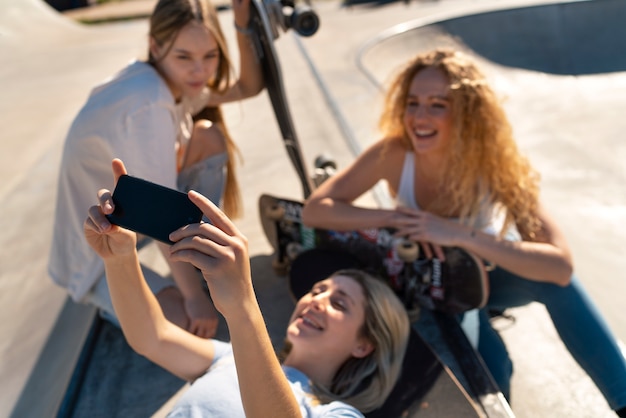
(577, 321)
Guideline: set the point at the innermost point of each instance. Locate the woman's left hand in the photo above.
(430, 231)
(106, 239)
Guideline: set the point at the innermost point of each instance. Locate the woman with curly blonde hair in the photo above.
(450, 160)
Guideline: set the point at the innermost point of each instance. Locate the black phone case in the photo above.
(151, 209)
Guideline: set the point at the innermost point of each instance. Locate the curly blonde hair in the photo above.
(486, 165)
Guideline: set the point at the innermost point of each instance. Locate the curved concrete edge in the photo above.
(559, 37)
(56, 363)
(32, 20)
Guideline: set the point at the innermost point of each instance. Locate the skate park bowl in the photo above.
(563, 38)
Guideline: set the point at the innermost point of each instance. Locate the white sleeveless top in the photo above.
(490, 219)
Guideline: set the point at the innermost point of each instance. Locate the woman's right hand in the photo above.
(220, 251)
(108, 240)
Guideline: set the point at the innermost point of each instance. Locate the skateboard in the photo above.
(456, 285)
(267, 18)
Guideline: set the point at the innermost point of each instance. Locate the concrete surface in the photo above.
(569, 125)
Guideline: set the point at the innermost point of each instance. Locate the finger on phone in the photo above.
(98, 220)
(119, 168)
(215, 215)
(106, 201)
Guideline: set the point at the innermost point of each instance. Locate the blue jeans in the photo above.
(577, 321)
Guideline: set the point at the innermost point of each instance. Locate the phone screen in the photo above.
(151, 209)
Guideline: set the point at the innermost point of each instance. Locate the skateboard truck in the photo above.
(287, 15)
(325, 167)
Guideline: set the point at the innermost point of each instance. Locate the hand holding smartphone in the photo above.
(151, 209)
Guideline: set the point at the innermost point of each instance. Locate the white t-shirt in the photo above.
(216, 393)
(132, 116)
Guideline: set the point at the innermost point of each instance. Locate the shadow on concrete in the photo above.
(573, 38)
(585, 37)
(119, 382)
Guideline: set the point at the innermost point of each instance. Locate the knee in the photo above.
(208, 138)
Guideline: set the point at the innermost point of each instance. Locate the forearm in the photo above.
(265, 391)
(329, 213)
(250, 81)
(251, 75)
(136, 307)
(537, 261)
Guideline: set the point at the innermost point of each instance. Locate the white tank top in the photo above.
(490, 219)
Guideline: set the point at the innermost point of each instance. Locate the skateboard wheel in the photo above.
(408, 251)
(280, 266)
(293, 249)
(275, 212)
(322, 161)
(304, 20)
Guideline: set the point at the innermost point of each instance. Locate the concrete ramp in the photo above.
(32, 20)
(49, 65)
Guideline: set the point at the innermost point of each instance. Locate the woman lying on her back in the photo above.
(345, 339)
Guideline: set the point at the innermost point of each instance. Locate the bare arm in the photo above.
(331, 205)
(250, 82)
(548, 259)
(221, 252)
(140, 315)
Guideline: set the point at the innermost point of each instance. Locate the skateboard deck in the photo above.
(266, 17)
(456, 285)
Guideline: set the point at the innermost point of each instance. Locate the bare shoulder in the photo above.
(387, 152)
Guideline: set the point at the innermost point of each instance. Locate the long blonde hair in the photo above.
(166, 21)
(485, 165)
(232, 200)
(366, 382)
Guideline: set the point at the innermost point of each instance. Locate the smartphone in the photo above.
(151, 209)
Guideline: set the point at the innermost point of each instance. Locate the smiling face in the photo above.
(326, 324)
(428, 114)
(189, 61)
